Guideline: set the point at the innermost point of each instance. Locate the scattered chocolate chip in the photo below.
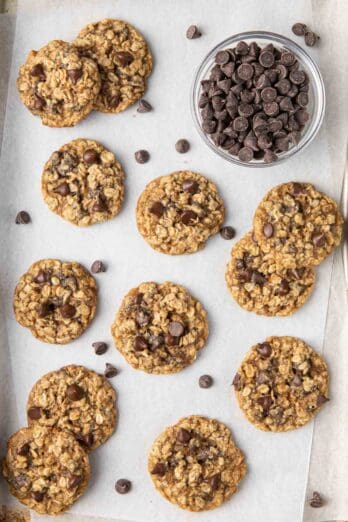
(67, 311)
(97, 267)
(44, 310)
(38, 72)
(91, 156)
(144, 106)
(142, 156)
(237, 382)
(74, 481)
(283, 288)
(113, 101)
(297, 381)
(100, 347)
(268, 230)
(176, 329)
(159, 469)
(170, 340)
(215, 481)
(265, 402)
(264, 349)
(193, 32)
(62, 189)
(23, 450)
(124, 58)
(75, 75)
(205, 381)
(110, 371)
(86, 440)
(123, 486)
(299, 29)
(22, 218)
(182, 146)
(321, 400)
(310, 38)
(190, 185)
(183, 436)
(41, 277)
(34, 413)
(138, 298)
(38, 496)
(188, 217)
(227, 232)
(317, 500)
(39, 102)
(257, 278)
(318, 240)
(100, 205)
(157, 209)
(74, 392)
(140, 343)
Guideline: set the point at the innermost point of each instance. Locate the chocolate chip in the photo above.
(39, 102)
(140, 343)
(114, 101)
(237, 382)
(193, 32)
(62, 189)
(75, 75)
(91, 156)
(156, 341)
(321, 400)
(240, 124)
(297, 76)
(123, 486)
(297, 381)
(215, 481)
(100, 205)
(97, 267)
(242, 48)
(318, 240)
(190, 185)
(142, 318)
(265, 402)
(299, 29)
(142, 156)
(22, 218)
(182, 146)
(302, 99)
(67, 311)
(74, 481)
(283, 288)
(110, 371)
(264, 349)
(245, 71)
(34, 413)
(268, 230)
(124, 58)
(183, 436)
(74, 392)
(144, 106)
(159, 469)
(271, 108)
(23, 450)
(266, 59)
(157, 209)
(222, 57)
(100, 347)
(176, 329)
(38, 496)
(287, 58)
(170, 340)
(188, 217)
(316, 501)
(86, 440)
(205, 381)
(310, 38)
(138, 298)
(227, 232)
(257, 278)
(38, 71)
(45, 309)
(245, 154)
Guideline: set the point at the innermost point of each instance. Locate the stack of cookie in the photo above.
(271, 268)
(105, 68)
(70, 412)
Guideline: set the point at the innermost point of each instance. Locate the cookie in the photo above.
(281, 384)
(259, 285)
(83, 183)
(298, 224)
(195, 464)
(58, 84)
(56, 300)
(124, 61)
(177, 213)
(13, 515)
(160, 328)
(46, 469)
(74, 399)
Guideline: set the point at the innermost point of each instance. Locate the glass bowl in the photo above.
(315, 107)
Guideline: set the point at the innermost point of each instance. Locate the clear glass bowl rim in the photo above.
(318, 89)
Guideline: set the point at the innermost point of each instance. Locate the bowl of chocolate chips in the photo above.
(257, 99)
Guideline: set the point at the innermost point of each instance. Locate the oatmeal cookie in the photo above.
(160, 328)
(259, 285)
(298, 224)
(46, 469)
(124, 62)
(74, 399)
(83, 183)
(195, 464)
(13, 515)
(58, 84)
(177, 213)
(56, 300)
(281, 384)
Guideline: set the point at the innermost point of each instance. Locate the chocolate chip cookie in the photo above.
(58, 84)
(83, 183)
(298, 224)
(160, 328)
(56, 300)
(259, 286)
(75, 399)
(14, 515)
(281, 384)
(177, 213)
(195, 464)
(124, 61)
(46, 469)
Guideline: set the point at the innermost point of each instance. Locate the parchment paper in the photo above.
(278, 464)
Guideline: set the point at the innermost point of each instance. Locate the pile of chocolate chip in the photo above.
(253, 105)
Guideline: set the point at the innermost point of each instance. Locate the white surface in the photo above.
(278, 464)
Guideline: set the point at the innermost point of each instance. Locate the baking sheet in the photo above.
(278, 464)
